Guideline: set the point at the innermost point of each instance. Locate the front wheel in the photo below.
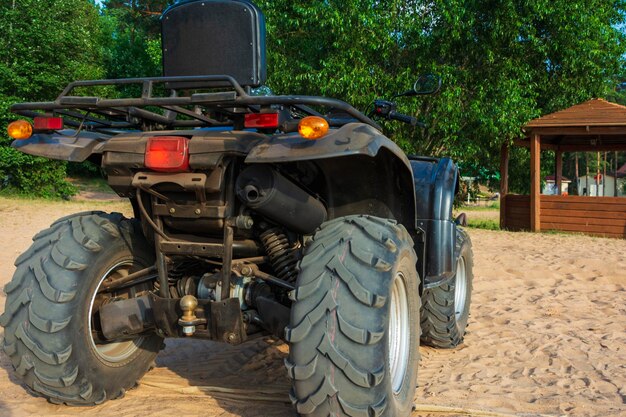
(52, 330)
(354, 332)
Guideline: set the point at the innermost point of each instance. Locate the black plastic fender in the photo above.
(64, 145)
(436, 183)
(364, 171)
(350, 139)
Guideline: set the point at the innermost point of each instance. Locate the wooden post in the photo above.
(587, 193)
(558, 175)
(535, 183)
(504, 182)
(615, 182)
(576, 174)
(604, 176)
(597, 174)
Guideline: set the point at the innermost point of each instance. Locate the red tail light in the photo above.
(48, 123)
(167, 154)
(261, 120)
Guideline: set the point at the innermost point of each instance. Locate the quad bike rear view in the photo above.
(253, 214)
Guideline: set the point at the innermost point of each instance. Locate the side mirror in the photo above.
(425, 85)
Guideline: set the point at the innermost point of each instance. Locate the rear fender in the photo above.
(363, 171)
(64, 145)
(350, 139)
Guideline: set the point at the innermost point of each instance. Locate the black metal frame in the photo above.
(130, 113)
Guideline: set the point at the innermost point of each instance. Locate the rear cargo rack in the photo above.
(96, 113)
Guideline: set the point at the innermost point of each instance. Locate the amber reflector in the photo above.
(313, 127)
(20, 129)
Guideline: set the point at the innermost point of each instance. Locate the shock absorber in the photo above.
(283, 256)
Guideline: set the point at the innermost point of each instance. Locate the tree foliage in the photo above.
(134, 49)
(503, 62)
(45, 46)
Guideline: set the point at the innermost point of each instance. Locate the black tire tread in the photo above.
(39, 346)
(438, 321)
(316, 307)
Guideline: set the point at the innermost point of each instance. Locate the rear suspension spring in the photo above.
(283, 255)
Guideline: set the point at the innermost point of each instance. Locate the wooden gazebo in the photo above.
(596, 125)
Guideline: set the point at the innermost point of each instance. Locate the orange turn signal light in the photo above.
(313, 127)
(20, 129)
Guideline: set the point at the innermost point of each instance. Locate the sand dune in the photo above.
(547, 336)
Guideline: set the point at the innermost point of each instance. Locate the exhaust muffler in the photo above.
(273, 195)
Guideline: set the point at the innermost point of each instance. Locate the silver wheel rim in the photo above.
(460, 288)
(113, 352)
(399, 333)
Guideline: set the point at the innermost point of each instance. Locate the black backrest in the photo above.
(214, 37)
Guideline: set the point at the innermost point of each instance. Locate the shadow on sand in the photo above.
(246, 380)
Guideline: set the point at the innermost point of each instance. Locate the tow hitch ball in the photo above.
(189, 321)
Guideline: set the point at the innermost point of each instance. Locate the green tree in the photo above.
(516, 60)
(502, 62)
(134, 49)
(45, 46)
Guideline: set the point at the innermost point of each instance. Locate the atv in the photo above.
(253, 214)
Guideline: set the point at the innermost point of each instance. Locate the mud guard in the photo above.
(364, 171)
(64, 145)
(350, 139)
(436, 183)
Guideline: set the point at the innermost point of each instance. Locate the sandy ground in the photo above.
(547, 336)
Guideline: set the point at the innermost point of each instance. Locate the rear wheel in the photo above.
(445, 309)
(354, 332)
(52, 329)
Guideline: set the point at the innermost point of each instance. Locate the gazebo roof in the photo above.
(595, 112)
(595, 125)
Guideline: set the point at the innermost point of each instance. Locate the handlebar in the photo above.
(403, 118)
(387, 110)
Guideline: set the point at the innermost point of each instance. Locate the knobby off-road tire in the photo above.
(354, 332)
(47, 313)
(445, 309)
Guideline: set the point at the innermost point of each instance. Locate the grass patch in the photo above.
(78, 185)
(11, 193)
(486, 224)
(91, 184)
(491, 206)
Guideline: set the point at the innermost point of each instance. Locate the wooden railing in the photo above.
(517, 212)
(601, 216)
(604, 216)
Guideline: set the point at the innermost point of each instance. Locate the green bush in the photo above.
(31, 175)
(84, 169)
(45, 45)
